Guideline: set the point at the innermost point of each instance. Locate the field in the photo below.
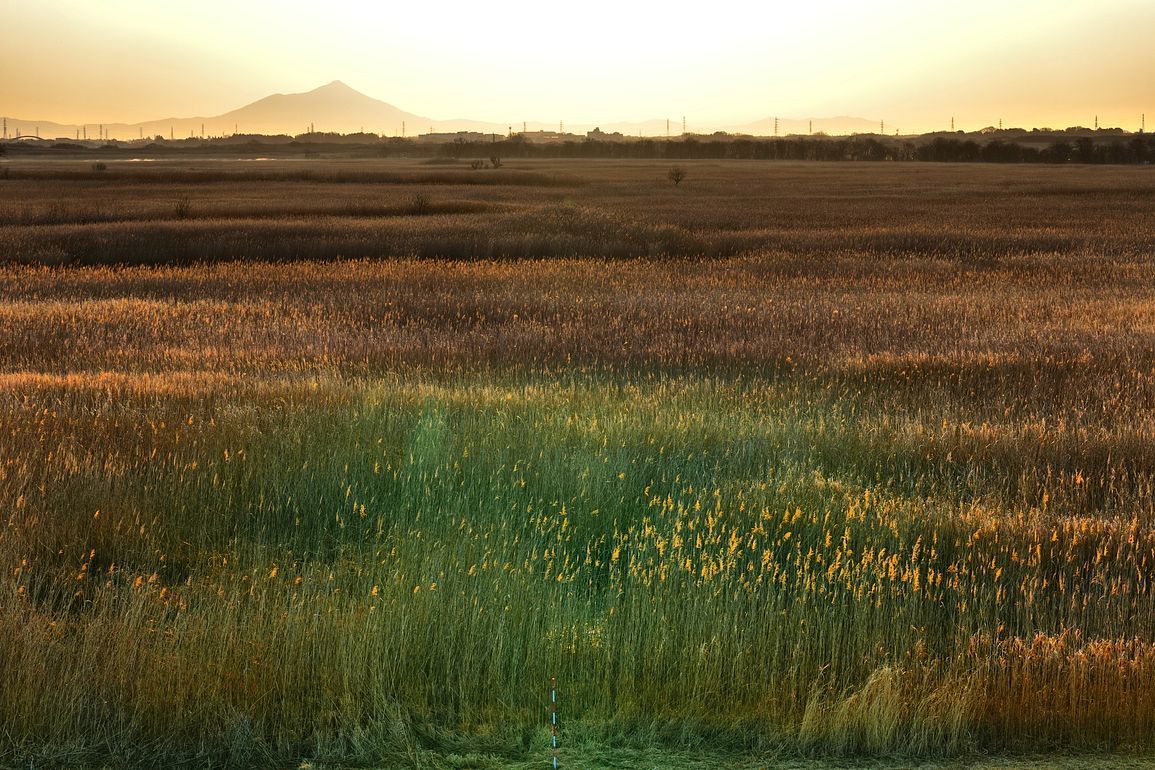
(339, 463)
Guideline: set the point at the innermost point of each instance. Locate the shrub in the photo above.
(419, 205)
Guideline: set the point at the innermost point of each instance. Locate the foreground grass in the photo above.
(752, 510)
(352, 568)
(657, 758)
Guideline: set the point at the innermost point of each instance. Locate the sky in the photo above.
(913, 63)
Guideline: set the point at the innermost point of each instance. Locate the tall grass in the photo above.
(859, 504)
(311, 569)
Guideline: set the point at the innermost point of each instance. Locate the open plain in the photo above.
(340, 462)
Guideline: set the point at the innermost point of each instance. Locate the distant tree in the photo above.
(1139, 150)
(1085, 149)
(941, 150)
(998, 151)
(676, 175)
(1057, 152)
(1116, 152)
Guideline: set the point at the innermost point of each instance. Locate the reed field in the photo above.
(339, 463)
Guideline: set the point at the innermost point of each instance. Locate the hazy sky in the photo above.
(914, 63)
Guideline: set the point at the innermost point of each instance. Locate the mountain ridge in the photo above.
(336, 107)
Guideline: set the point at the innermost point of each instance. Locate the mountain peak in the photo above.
(335, 86)
(331, 107)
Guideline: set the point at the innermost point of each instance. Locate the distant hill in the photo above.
(340, 109)
(333, 107)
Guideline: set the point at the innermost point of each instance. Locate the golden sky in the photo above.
(913, 63)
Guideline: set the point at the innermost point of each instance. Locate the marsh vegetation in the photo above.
(795, 459)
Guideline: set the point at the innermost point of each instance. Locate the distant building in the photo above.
(464, 137)
(598, 135)
(548, 137)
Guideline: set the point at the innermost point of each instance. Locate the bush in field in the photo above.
(676, 175)
(419, 205)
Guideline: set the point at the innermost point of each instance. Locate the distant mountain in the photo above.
(333, 107)
(338, 108)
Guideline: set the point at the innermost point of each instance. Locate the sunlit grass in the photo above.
(353, 512)
(323, 559)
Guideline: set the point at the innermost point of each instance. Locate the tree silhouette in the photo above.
(1057, 152)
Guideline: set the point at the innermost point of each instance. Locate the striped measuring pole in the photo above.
(553, 716)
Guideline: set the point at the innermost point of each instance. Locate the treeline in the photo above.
(1119, 149)
(788, 148)
(1138, 149)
